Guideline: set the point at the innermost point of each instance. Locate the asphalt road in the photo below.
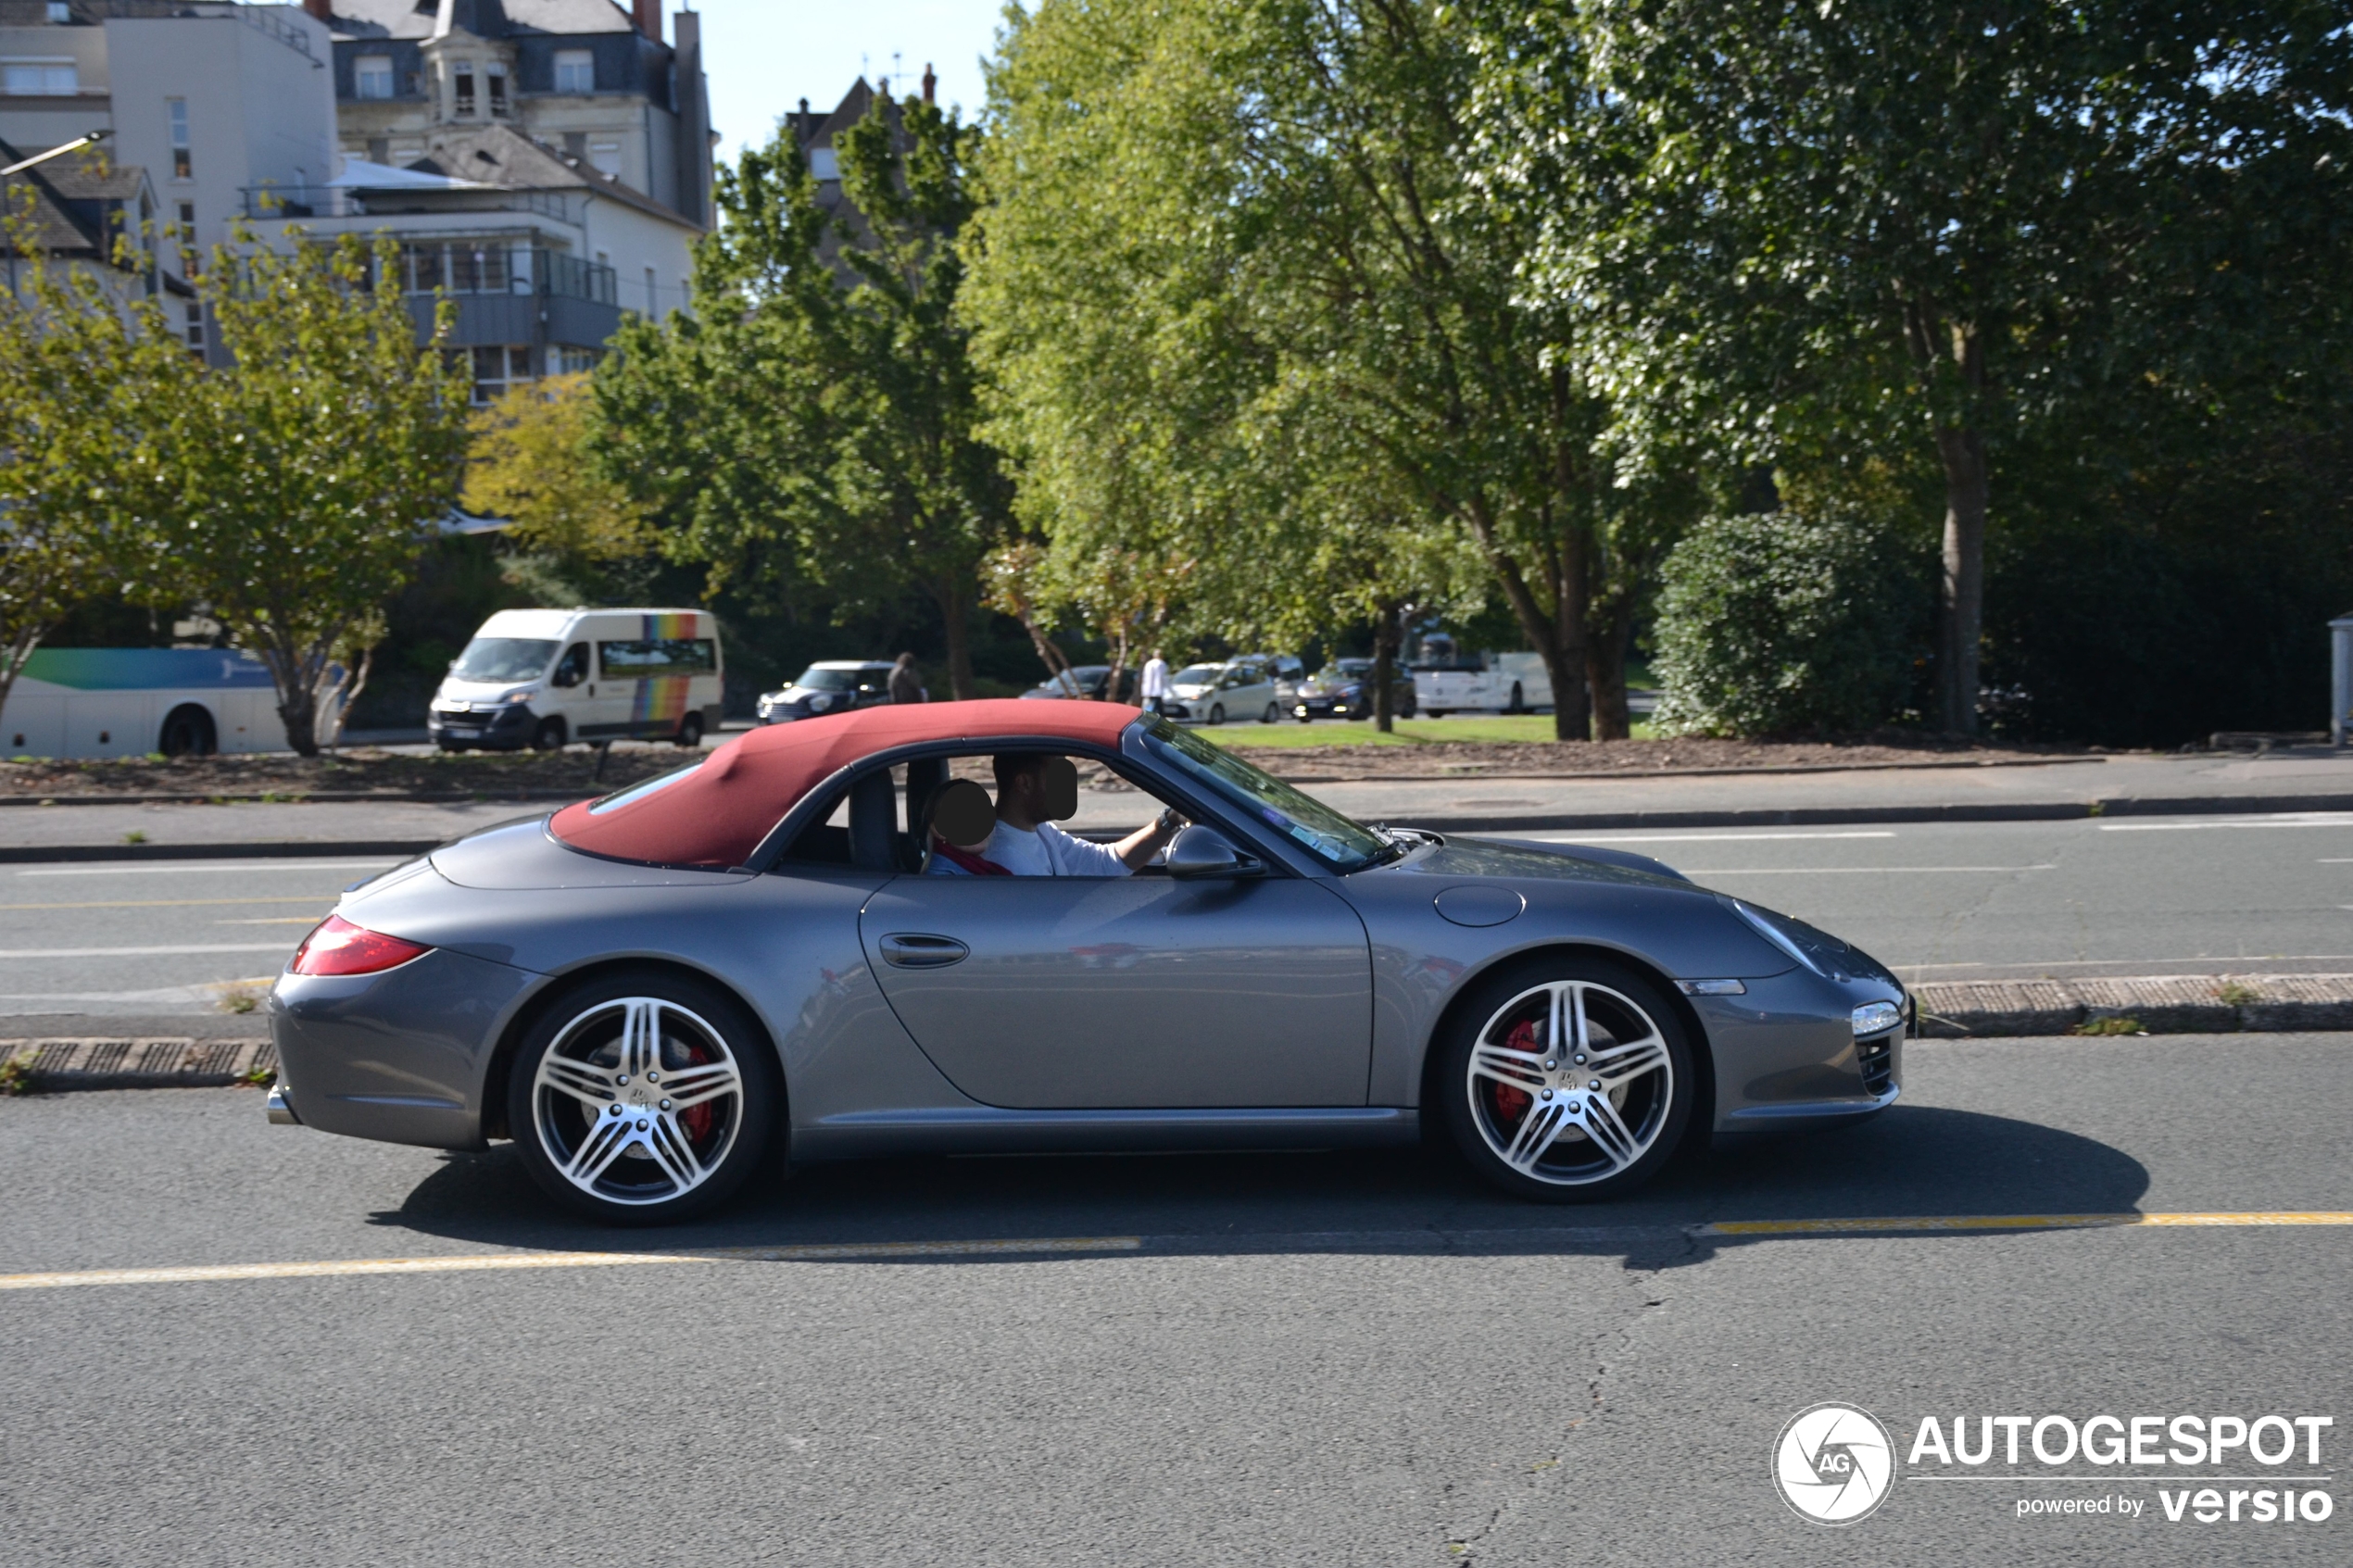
(157, 948)
(1307, 1358)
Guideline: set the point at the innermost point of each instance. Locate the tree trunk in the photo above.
(1386, 636)
(347, 693)
(1560, 638)
(299, 705)
(20, 650)
(1962, 589)
(1605, 668)
(955, 616)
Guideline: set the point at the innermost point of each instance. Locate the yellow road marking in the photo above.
(474, 1262)
(2017, 1223)
(178, 903)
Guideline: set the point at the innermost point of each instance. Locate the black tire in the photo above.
(635, 1175)
(1536, 1104)
(187, 731)
(1271, 714)
(1517, 705)
(550, 736)
(1216, 712)
(690, 731)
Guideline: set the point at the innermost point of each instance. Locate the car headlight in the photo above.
(523, 695)
(1877, 1017)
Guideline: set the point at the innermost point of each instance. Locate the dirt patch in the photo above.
(362, 772)
(358, 772)
(1569, 759)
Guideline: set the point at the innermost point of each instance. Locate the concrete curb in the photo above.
(2159, 1005)
(1980, 811)
(52, 1066)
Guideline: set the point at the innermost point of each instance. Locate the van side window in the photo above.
(572, 668)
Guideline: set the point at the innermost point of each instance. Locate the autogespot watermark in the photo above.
(1835, 1464)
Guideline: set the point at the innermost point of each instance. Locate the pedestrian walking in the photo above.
(1155, 684)
(905, 684)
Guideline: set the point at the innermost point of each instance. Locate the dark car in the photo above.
(830, 686)
(652, 992)
(1091, 681)
(1344, 689)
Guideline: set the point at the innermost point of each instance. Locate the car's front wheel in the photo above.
(643, 1098)
(1216, 712)
(1568, 1080)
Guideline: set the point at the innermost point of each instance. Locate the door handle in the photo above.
(911, 950)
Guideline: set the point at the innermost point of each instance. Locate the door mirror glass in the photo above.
(1202, 852)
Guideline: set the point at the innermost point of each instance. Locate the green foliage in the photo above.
(85, 364)
(808, 434)
(305, 478)
(1770, 623)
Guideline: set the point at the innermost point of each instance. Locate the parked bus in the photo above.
(127, 702)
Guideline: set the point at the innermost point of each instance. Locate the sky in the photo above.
(763, 56)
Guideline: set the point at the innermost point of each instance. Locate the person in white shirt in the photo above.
(1031, 787)
(1156, 682)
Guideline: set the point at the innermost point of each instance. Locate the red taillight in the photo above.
(337, 947)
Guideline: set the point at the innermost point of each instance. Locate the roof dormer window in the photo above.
(371, 76)
(461, 83)
(496, 73)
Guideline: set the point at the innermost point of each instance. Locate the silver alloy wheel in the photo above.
(638, 1100)
(1570, 1082)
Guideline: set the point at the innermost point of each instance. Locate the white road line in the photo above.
(213, 868)
(476, 1262)
(142, 952)
(2284, 820)
(1683, 837)
(1843, 871)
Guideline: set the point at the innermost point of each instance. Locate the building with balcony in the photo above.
(541, 254)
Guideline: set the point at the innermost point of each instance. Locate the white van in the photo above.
(543, 677)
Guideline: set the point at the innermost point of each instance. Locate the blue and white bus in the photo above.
(127, 702)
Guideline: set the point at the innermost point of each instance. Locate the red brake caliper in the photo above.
(696, 1120)
(1512, 1104)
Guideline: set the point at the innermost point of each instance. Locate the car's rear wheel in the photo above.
(1568, 1080)
(1271, 714)
(643, 1098)
(690, 731)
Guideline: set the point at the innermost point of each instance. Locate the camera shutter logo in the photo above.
(1834, 1463)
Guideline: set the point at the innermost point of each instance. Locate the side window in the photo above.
(572, 668)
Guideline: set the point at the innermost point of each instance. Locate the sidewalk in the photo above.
(2305, 781)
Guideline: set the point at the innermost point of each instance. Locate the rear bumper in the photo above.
(403, 1057)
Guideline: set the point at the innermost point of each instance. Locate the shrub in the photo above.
(1773, 622)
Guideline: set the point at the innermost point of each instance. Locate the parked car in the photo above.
(830, 686)
(652, 992)
(544, 677)
(1286, 671)
(1091, 680)
(1211, 694)
(1344, 689)
(1446, 681)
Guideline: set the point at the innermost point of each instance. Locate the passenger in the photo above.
(1033, 788)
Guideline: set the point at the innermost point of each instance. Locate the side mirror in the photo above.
(1199, 853)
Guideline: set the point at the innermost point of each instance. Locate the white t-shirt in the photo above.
(1047, 852)
(1155, 677)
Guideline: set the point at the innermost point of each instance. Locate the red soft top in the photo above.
(718, 814)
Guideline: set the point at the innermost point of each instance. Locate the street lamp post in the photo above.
(60, 151)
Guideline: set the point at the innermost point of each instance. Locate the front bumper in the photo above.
(1787, 1060)
(506, 728)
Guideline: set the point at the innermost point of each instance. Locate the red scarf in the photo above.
(966, 858)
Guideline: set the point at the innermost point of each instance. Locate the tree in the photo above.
(533, 462)
(1795, 226)
(1231, 282)
(304, 476)
(811, 426)
(87, 373)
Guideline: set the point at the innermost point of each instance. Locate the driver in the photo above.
(1033, 789)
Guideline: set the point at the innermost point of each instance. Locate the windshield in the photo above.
(817, 678)
(1196, 676)
(503, 658)
(1344, 845)
(1345, 670)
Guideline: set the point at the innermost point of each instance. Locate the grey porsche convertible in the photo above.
(777, 949)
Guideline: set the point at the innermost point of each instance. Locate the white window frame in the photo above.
(184, 155)
(40, 76)
(498, 100)
(604, 157)
(575, 70)
(372, 70)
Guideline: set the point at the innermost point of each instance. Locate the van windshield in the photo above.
(503, 658)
